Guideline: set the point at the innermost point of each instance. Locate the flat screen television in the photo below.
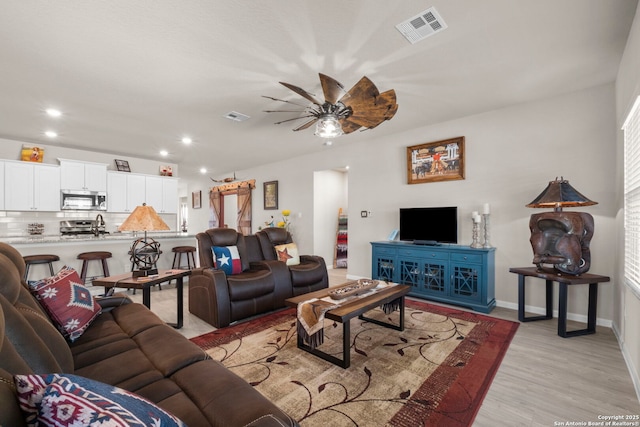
(420, 225)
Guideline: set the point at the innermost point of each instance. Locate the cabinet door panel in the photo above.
(465, 281)
(136, 192)
(435, 278)
(72, 176)
(170, 196)
(46, 189)
(95, 177)
(116, 192)
(18, 187)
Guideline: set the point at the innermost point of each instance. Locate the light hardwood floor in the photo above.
(544, 380)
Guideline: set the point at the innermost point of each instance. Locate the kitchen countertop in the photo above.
(57, 238)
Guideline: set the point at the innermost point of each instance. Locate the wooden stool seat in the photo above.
(189, 251)
(86, 257)
(30, 260)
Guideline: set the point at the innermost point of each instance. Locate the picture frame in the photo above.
(270, 193)
(122, 165)
(32, 153)
(436, 161)
(196, 199)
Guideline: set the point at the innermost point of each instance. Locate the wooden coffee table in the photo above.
(145, 283)
(347, 311)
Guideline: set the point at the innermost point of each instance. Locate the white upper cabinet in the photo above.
(75, 175)
(31, 186)
(162, 194)
(125, 191)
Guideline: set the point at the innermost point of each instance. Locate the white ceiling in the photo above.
(133, 77)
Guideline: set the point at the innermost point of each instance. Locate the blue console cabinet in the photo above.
(453, 274)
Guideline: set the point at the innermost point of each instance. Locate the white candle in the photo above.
(486, 209)
(476, 218)
(474, 214)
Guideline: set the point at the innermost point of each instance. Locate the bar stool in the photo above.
(86, 257)
(30, 260)
(186, 250)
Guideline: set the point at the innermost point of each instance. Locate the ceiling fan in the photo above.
(342, 112)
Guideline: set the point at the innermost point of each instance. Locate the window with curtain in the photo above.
(631, 130)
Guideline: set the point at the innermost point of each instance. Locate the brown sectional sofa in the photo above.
(126, 346)
(264, 284)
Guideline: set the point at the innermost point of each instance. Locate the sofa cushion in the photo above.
(62, 399)
(227, 259)
(288, 253)
(67, 302)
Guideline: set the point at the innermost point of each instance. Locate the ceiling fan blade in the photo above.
(295, 118)
(306, 125)
(363, 91)
(348, 126)
(303, 93)
(332, 89)
(284, 100)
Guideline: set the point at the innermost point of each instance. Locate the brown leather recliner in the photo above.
(308, 276)
(220, 299)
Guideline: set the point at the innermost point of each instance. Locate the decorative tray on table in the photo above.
(354, 288)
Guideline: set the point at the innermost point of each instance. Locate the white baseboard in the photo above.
(541, 311)
(635, 379)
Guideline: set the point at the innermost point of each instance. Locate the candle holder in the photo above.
(487, 232)
(476, 235)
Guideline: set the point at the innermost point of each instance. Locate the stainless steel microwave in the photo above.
(82, 200)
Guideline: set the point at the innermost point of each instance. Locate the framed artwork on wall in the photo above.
(270, 195)
(436, 161)
(196, 199)
(122, 165)
(31, 153)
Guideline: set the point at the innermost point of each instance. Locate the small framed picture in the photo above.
(196, 199)
(31, 153)
(270, 195)
(166, 170)
(436, 161)
(122, 165)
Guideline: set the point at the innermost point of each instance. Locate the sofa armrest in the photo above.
(209, 296)
(113, 301)
(281, 277)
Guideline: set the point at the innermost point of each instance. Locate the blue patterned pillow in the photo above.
(227, 259)
(70, 400)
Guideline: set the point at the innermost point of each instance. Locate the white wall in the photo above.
(627, 303)
(511, 155)
(330, 195)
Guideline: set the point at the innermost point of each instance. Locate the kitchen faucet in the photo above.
(99, 222)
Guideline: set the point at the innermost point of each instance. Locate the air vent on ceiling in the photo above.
(422, 25)
(236, 117)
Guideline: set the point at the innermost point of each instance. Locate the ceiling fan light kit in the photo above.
(342, 112)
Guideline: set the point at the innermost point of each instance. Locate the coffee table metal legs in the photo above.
(146, 300)
(345, 362)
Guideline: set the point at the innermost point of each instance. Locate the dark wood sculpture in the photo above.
(562, 239)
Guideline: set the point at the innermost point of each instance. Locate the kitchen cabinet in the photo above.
(31, 187)
(125, 191)
(75, 175)
(162, 194)
(453, 274)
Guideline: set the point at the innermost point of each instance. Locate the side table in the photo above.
(145, 283)
(564, 280)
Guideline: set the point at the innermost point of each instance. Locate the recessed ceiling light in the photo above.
(203, 170)
(186, 140)
(164, 153)
(51, 134)
(53, 112)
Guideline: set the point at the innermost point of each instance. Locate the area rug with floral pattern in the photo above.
(434, 373)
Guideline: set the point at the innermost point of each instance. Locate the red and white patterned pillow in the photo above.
(67, 302)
